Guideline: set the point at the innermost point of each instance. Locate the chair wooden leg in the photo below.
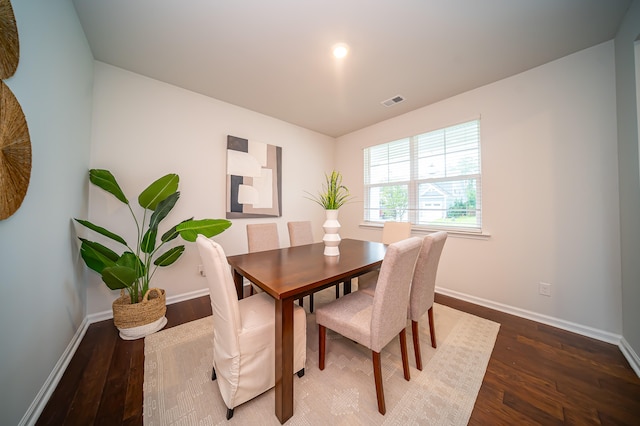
(322, 336)
(311, 303)
(300, 373)
(415, 331)
(403, 351)
(432, 328)
(229, 413)
(301, 302)
(213, 373)
(338, 291)
(377, 375)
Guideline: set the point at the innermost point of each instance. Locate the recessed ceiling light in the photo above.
(340, 50)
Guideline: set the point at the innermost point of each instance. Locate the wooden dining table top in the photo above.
(294, 271)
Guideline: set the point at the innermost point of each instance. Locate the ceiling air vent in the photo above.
(391, 102)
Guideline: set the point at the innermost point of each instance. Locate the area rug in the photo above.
(178, 389)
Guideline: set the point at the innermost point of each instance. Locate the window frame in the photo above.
(414, 182)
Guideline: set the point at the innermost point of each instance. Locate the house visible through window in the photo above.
(432, 180)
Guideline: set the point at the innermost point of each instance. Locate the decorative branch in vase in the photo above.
(333, 196)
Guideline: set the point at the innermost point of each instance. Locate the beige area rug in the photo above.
(178, 389)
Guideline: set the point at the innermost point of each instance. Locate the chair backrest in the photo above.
(262, 236)
(300, 233)
(393, 232)
(389, 312)
(222, 290)
(424, 277)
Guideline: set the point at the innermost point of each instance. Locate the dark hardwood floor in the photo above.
(537, 375)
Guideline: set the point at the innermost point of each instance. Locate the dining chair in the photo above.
(374, 321)
(423, 286)
(243, 335)
(301, 233)
(392, 232)
(261, 237)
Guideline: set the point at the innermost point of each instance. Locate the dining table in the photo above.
(290, 273)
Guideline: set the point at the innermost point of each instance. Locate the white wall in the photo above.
(628, 147)
(143, 129)
(550, 189)
(43, 293)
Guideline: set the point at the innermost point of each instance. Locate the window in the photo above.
(432, 180)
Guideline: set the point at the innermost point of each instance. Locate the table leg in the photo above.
(284, 359)
(347, 287)
(239, 282)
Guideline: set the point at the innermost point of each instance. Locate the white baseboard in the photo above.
(41, 399)
(583, 330)
(630, 355)
(604, 336)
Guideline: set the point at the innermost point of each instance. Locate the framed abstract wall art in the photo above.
(254, 179)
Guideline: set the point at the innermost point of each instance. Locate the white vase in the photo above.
(331, 237)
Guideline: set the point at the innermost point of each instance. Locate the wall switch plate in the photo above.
(544, 289)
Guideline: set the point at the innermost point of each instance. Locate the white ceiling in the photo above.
(274, 57)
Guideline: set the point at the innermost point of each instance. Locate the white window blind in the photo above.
(432, 180)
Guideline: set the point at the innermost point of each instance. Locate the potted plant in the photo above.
(333, 196)
(141, 311)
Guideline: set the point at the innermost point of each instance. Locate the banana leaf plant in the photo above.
(134, 268)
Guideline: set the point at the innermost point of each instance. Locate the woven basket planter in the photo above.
(140, 319)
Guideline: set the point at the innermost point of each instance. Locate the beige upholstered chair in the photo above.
(395, 231)
(392, 232)
(423, 289)
(243, 342)
(375, 321)
(300, 233)
(262, 237)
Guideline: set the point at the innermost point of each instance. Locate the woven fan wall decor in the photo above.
(15, 144)
(9, 45)
(15, 153)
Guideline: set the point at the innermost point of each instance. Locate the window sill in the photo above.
(423, 230)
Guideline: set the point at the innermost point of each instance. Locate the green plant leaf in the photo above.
(169, 257)
(190, 229)
(116, 277)
(158, 191)
(172, 233)
(334, 194)
(148, 243)
(132, 261)
(102, 231)
(105, 180)
(163, 209)
(96, 256)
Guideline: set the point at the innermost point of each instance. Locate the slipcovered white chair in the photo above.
(300, 233)
(374, 321)
(392, 232)
(423, 287)
(243, 336)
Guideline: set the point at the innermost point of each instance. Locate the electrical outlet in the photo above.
(544, 289)
(201, 271)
